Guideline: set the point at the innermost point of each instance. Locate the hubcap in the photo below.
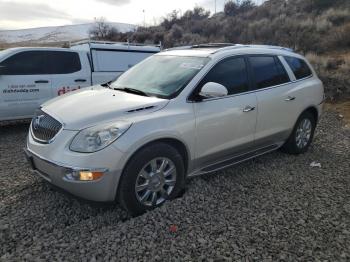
(156, 181)
(303, 133)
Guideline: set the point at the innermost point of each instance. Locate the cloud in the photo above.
(115, 2)
(15, 11)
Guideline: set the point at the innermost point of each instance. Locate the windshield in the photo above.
(161, 76)
(3, 53)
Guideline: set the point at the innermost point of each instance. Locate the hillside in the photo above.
(47, 35)
(318, 28)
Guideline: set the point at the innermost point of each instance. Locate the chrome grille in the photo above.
(44, 127)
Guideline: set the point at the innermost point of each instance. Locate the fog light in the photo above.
(89, 176)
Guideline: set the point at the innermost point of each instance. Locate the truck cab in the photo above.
(31, 76)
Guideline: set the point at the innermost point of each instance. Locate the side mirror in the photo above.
(212, 90)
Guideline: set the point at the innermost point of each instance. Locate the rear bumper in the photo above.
(101, 190)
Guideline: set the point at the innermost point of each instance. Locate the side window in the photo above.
(26, 63)
(268, 71)
(299, 67)
(231, 73)
(64, 62)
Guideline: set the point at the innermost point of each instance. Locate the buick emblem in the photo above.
(36, 122)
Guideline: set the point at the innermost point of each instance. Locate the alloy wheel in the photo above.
(303, 133)
(155, 182)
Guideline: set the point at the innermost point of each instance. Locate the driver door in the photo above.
(25, 83)
(225, 126)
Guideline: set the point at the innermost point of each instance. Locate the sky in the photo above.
(20, 14)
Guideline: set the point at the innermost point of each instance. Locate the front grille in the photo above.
(44, 127)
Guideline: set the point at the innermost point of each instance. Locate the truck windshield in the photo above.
(161, 76)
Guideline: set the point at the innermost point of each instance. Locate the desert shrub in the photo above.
(341, 36)
(198, 13)
(170, 20)
(142, 36)
(192, 39)
(101, 30)
(231, 8)
(322, 4)
(334, 73)
(337, 16)
(176, 32)
(307, 26)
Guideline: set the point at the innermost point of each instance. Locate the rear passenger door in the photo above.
(70, 71)
(225, 126)
(25, 83)
(276, 100)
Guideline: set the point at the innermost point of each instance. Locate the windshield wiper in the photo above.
(106, 85)
(132, 90)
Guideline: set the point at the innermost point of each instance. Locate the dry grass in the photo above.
(334, 71)
(343, 109)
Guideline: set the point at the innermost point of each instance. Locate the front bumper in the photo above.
(103, 189)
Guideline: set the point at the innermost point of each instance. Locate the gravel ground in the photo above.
(275, 207)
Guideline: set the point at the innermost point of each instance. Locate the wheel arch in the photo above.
(313, 110)
(176, 143)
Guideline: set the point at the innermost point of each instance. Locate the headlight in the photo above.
(98, 137)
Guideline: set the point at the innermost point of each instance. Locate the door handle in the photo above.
(80, 80)
(290, 98)
(41, 81)
(248, 109)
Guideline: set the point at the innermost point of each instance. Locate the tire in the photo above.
(148, 159)
(293, 144)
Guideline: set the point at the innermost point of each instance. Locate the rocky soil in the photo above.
(275, 207)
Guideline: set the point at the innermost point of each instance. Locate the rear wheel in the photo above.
(302, 135)
(154, 175)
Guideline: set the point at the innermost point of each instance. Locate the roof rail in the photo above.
(272, 47)
(213, 45)
(112, 43)
(208, 45)
(256, 46)
(227, 46)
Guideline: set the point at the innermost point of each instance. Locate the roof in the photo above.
(38, 48)
(115, 46)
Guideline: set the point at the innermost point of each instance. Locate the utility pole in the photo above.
(215, 6)
(144, 17)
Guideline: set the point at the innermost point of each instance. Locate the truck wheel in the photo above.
(302, 135)
(154, 175)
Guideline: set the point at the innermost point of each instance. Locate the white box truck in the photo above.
(31, 76)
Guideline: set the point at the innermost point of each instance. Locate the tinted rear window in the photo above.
(299, 67)
(268, 71)
(64, 62)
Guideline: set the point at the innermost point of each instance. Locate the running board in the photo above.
(235, 160)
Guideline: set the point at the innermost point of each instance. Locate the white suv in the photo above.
(178, 114)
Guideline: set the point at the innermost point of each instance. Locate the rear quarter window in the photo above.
(299, 67)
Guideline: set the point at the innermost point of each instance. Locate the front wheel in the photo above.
(302, 135)
(154, 175)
